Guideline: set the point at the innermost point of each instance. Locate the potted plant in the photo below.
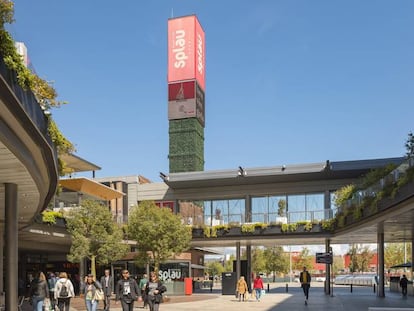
(281, 212)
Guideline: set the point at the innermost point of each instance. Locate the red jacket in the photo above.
(258, 283)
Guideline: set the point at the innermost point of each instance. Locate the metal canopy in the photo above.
(91, 187)
(276, 174)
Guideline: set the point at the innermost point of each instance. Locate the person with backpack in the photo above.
(127, 291)
(39, 291)
(64, 291)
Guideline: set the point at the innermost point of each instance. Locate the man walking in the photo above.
(404, 284)
(107, 284)
(305, 280)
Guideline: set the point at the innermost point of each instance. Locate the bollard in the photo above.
(374, 288)
(351, 288)
(268, 287)
(287, 287)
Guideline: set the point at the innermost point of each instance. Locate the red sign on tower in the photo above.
(186, 50)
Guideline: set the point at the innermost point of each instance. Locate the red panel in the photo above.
(181, 90)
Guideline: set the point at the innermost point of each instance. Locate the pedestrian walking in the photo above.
(305, 279)
(241, 288)
(64, 291)
(39, 291)
(154, 291)
(258, 287)
(107, 283)
(126, 291)
(88, 288)
(403, 285)
(142, 284)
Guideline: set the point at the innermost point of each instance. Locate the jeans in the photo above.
(153, 306)
(91, 305)
(37, 303)
(127, 306)
(258, 293)
(64, 304)
(305, 288)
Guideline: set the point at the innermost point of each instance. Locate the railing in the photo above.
(27, 100)
(267, 218)
(373, 190)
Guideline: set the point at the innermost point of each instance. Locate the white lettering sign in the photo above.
(170, 274)
(179, 49)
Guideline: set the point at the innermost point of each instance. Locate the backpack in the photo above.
(64, 291)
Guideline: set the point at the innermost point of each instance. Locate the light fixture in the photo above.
(164, 177)
(283, 167)
(241, 172)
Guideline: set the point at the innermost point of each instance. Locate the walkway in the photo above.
(277, 299)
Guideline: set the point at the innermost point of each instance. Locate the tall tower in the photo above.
(186, 86)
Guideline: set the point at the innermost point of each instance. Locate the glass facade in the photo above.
(265, 209)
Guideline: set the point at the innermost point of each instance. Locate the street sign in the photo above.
(324, 258)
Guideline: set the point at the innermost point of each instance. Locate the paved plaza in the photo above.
(360, 299)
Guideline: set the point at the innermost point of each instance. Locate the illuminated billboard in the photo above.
(186, 50)
(186, 100)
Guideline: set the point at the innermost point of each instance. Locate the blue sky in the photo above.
(287, 82)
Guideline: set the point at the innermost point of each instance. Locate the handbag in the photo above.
(99, 295)
(46, 304)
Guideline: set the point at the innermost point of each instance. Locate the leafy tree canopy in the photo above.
(276, 260)
(159, 233)
(94, 234)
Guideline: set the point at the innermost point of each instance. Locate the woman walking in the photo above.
(258, 287)
(39, 290)
(154, 290)
(241, 288)
(64, 291)
(89, 288)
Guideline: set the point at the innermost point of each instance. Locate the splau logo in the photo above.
(179, 49)
(170, 274)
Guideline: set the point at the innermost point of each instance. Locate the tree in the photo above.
(396, 253)
(158, 232)
(94, 235)
(305, 259)
(338, 264)
(409, 145)
(258, 260)
(215, 268)
(228, 264)
(276, 260)
(360, 258)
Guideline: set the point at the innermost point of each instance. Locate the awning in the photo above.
(402, 265)
(91, 187)
(74, 163)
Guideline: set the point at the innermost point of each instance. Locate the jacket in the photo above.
(69, 286)
(157, 298)
(84, 288)
(308, 277)
(39, 288)
(125, 293)
(107, 290)
(241, 286)
(258, 283)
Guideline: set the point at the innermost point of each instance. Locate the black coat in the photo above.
(133, 287)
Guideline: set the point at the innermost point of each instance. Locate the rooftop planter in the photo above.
(248, 229)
